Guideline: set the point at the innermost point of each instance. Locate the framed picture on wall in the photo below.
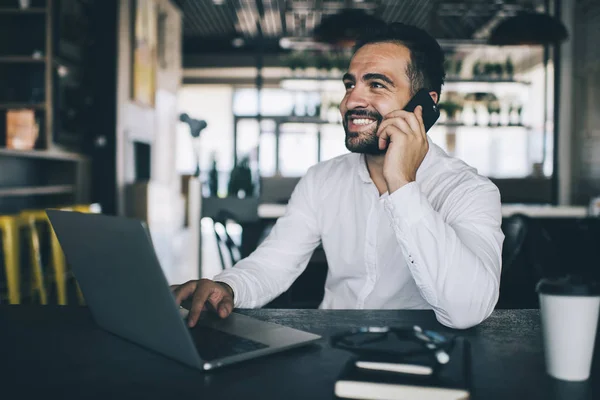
(145, 38)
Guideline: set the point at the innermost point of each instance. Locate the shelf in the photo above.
(291, 119)
(31, 10)
(43, 154)
(37, 190)
(486, 80)
(22, 59)
(36, 106)
(461, 125)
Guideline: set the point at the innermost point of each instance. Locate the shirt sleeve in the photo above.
(456, 259)
(272, 268)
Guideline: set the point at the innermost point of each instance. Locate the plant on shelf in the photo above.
(493, 108)
(296, 61)
(324, 63)
(451, 108)
(458, 68)
(509, 68)
(213, 177)
(477, 69)
(240, 181)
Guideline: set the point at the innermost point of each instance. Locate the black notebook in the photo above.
(362, 379)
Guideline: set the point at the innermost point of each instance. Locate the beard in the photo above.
(365, 142)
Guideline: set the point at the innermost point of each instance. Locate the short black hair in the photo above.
(426, 69)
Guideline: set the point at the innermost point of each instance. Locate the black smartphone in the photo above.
(431, 112)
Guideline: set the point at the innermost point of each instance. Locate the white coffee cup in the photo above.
(569, 310)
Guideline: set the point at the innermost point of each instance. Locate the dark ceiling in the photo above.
(211, 25)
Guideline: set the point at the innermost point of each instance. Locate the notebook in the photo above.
(362, 379)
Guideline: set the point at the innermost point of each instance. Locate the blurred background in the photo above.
(200, 116)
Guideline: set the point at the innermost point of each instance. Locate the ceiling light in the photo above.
(238, 42)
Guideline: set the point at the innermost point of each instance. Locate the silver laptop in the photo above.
(124, 286)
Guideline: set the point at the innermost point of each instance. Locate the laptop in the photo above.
(124, 286)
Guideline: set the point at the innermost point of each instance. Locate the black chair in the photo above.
(517, 282)
(229, 251)
(529, 254)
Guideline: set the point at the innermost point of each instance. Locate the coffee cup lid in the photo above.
(570, 285)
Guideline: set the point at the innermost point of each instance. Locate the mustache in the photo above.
(363, 114)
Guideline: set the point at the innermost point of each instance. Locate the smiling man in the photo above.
(403, 225)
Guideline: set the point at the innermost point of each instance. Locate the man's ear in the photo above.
(434, 96)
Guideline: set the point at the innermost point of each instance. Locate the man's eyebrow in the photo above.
(348, 77)
(381, 77)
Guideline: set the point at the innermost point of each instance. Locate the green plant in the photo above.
(509, 67)
(458, 67)
(240, 179)
(213, 178)
(451, 108)
(477, 69)
(324, 61)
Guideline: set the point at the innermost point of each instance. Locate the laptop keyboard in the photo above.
(212, 344)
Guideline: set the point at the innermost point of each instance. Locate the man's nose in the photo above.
(357, 98)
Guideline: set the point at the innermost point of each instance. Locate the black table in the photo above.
(58, 352)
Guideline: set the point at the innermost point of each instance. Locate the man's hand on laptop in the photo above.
(204, 294)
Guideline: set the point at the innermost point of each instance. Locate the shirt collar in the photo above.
(363, 171)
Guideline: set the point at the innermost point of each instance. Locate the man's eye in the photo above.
(348, 85)
(376, 85)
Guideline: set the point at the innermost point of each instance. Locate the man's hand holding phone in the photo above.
(404, 135)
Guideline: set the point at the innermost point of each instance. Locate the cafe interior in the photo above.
(199, 117)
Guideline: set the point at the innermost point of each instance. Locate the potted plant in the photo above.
(240, 181)
(213, 178)
(451, 108)
(509, 67)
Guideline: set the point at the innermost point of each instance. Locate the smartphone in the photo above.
(431, 112)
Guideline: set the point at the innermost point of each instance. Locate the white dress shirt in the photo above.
(434, 243)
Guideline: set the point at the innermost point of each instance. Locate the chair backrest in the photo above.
(515, 231)
(516, 285)
(229, 251)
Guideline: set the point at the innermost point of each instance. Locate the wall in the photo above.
(157, 200)
(586, 99)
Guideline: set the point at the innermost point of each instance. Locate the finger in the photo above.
(398, 122)
(221, 302)
(421, 123)
(414, 119)
(391, 130)
(200, 297)
(225, 307)
(184, 291)
(215, 298)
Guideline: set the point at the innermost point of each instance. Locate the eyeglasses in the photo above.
(413, 343)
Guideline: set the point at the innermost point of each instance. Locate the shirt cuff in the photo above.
(407, 205)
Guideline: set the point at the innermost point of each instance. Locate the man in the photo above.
(403, 225)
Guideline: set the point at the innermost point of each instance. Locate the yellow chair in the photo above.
(58, 256)
(9, 227)
(32, 219)
(38, 281)
(61, 274)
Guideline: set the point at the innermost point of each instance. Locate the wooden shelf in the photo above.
(461, 125)
(36, 106)
(37, 190)
(447, 80)
(43, 154)
(485, 80)
(22, 59)
(31, 10)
